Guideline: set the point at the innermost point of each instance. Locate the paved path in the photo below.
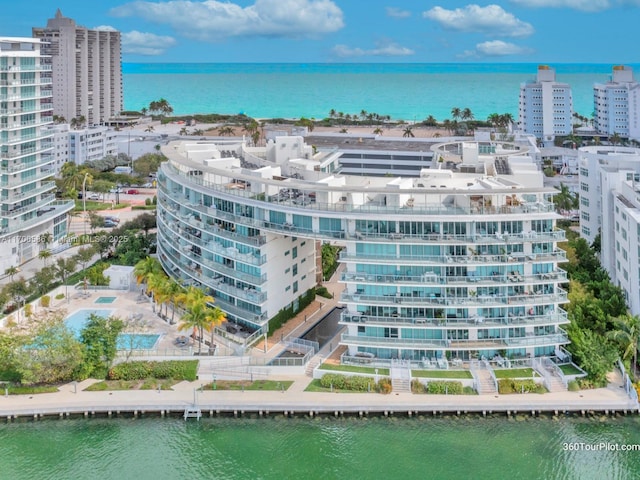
(296, 399)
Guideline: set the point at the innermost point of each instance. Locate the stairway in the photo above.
(400, 377)
(486, 385)
(315, 361)
(555, 384)
(401, 385)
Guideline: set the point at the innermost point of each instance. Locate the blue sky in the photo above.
(551, 31)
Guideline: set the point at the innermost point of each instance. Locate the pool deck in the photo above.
(138, 315)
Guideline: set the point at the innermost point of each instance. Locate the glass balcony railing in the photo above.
(474, 321)
(430, 278)
(451, 260)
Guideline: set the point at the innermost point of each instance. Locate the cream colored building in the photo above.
(87, 70)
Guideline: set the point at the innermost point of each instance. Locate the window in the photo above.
(295, 287)
(294, 252)
(295, 269)
(287, 253)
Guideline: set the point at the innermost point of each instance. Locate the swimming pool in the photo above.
(126, 341)
(105, 299)
(78, 319)
(137, 341)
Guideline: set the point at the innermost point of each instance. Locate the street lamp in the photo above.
(84, 202)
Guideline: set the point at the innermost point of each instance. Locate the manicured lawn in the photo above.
(147, 384)
(570, 369)
(92, 206)
(441, 373)
(515, 373)
(354, 369)
(264, 385)
(28, 390)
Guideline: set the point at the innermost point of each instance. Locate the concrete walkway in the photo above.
(295, 399)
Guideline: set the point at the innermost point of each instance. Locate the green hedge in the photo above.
(139, 370)
(440, 387)
(288, 313)
(355, 383)
(509, 385)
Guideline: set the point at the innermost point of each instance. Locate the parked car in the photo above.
(147, 185)
(110, 224)
(93, 196)
(132, 191)
(116, 190)
(112, 218)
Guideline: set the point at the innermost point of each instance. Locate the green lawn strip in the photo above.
(92, 206)
(315, 386)
(354, 369)
(29, 389)
(147, 384)
(515, 373)
(263, 385)
(441, 373)
(570, 369)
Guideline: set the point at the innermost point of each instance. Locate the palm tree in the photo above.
(363, 114)
(378, 131)
(615, 139)
(196, 303)
(11, 271)
(149, 129)
(447, 125)
(157, 284)
(627, 336)
(46, 238)
(332, 113)
(45, 255)
(456, 113)
(408, 132)
(343, 130)
(466, 114)
(215, 318)
(494, 120)
(144, 111)
(183, 131)
(226, 130)
(564, 200)
(173, 291)
(145, 268)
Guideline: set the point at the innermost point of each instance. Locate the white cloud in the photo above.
(397, 13)
(584, 5)
(498, 48)
(491, 20)
(384, 50)
(142, 43)
(105, 28)
(215, 20)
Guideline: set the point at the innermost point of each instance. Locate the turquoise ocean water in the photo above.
(319, 449)
(404, 91)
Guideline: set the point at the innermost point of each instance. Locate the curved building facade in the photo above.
(460, 262)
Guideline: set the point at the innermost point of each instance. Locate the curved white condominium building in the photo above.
(460, 262)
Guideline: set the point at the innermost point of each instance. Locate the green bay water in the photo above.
(321, 448)
(409, 91)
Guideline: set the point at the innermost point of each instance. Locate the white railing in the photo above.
(629, 388)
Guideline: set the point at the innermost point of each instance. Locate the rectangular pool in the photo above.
(137, 341)
(78, 319)
(105, 299)
(126, 341)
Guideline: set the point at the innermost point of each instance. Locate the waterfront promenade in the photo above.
(295, 401)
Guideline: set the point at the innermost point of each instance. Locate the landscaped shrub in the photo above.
(509, 385)
(440, 387)
(60, 296)
(418, 387)
(45, 301)
(354, 383)
(384, 386)
(139, 370)
(323, 292)
(573, 386)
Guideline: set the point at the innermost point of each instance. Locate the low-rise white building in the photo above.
(617, 104)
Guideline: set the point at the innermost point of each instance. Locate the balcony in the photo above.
(431, 278)
(450, 260)
(406, 299)
(45, 200)
(17, 180)
(474, 321)
(17, 225)
(45, 187)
